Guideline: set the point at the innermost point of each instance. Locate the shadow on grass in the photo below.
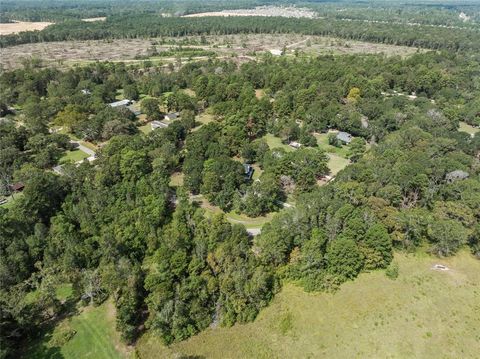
(44, 345)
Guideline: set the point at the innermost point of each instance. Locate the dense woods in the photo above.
(117, 228)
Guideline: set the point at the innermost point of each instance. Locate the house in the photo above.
(248, 171)
(456, 175)
(276, 52)
(344, 137)
(158, 124)
(17, 187)
(121, 103)
(172, 116)
(86, 92)
(295, 144)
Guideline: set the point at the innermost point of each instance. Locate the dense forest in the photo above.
(428, 13)
(117, 228)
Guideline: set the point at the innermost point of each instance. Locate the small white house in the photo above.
(295, 144)
(121, 103)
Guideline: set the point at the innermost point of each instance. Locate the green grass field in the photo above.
(322, 141)
(146, 129)
(465, 127)
(336, 163)
(95, 337)
(422, 314)
(276, 142)
(73, 156)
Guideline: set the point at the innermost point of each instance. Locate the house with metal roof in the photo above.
(344, 137)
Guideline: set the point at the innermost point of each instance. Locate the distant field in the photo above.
(242, 46)
(422, 314)
(282, 11)
(19, 26)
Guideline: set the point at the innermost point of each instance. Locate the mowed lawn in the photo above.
(95, 337)
(422, 314)
(73, 156)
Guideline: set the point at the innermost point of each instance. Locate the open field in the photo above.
(336, 163)
(95, 337)
(422, 314)
(465, 127)
(242, 47)
(19, 26)
(282, 11)
(276, 142)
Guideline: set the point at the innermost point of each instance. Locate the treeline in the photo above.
(117, 228)
(139, 26)
(57, 11)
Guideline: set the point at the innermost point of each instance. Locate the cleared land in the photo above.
(19, 26)
(422, 314)
(93, 19)
(282, 11)
(235, 47)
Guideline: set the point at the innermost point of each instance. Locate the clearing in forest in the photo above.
(19, 26)
(240, 47)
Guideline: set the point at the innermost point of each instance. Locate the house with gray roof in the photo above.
(344, 137)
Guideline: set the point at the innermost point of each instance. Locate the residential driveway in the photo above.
(87, 150)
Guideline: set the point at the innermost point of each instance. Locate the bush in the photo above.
(392, 271)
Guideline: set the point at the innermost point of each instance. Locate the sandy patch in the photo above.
(93, 19)
(19, 26)
(282, 11)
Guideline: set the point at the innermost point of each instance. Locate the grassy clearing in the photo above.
(146, 129)
(421, 314)
(95, 337)
(322, 141)
(233, 217)
(11, 200)
(257, 172)
(276, 142)
(73, 156)
(176, 179)
(465, 127)
(336, 163)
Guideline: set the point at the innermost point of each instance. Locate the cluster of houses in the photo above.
(129, 104)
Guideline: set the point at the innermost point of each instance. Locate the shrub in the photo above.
(392, 271)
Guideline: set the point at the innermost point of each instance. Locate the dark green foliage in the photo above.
(344, 259)
(220, 179)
